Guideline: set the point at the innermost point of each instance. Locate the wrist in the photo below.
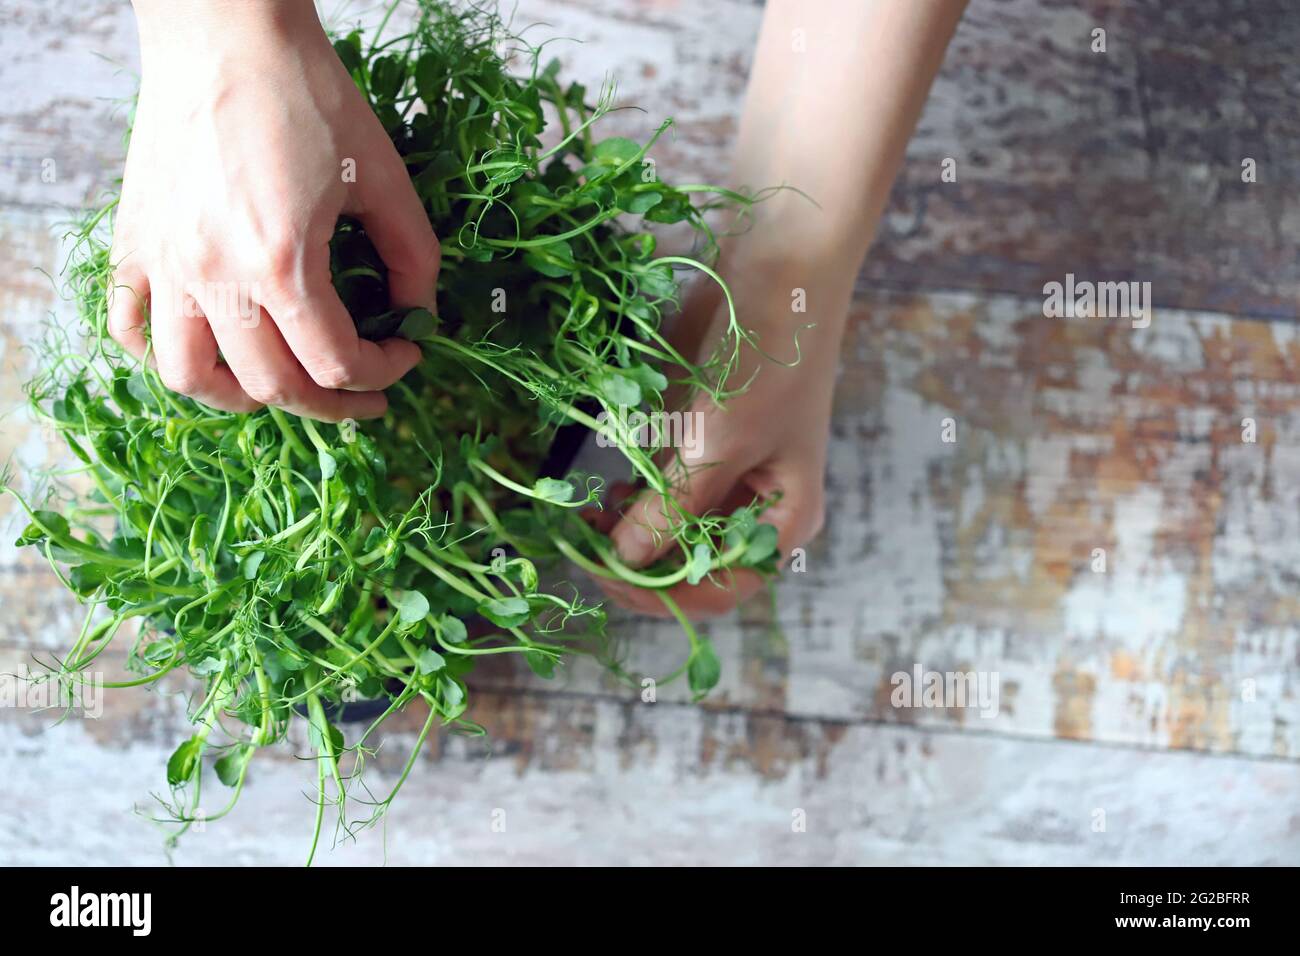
(168, 26)
(779, 290)
(780, 260)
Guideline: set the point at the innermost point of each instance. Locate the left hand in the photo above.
(770, 438)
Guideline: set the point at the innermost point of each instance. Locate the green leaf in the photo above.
(429, 77)
(126, 401)
(77, 450)
(349, 51)
(453, 629)
(230, 767)
(428, 661)
(184, 761)
(290, 661)
(698, 567)
(642, 203)
(331, 598)
(158, 653)
(656, 281)
(387, 74)
(553, 489)
(318, 743)
(555, 259)
(703, 669)
(543, 665)
(87, 578)
(418, 324)
(650, 379)
(674, 208)
(411, 606)
(619, 390)
(328, 466)
(206, 667)
(615, 151)
(57, 524)
(453, 695)
(252, 561)
(762, 545)
(139, 389)
(527, 573)
(506, 612)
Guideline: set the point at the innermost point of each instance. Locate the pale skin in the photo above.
(835, 92)
(235, 175)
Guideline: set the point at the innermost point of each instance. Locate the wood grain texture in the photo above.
(977, 555)
(580, 781)
(1125, 164)
(1117, 165)
(972, 556)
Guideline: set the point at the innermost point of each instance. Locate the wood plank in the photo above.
(598, 782)
(1117, 165)
(1125, 164)
(977, 556)
(971, 556)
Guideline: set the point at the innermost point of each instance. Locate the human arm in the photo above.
(835, 92)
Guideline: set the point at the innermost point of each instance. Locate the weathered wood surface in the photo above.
(1117, 165)
(974, 555)
(582, 780)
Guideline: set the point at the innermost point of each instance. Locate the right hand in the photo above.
(245, 125)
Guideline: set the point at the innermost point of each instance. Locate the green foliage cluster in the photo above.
(290, 565)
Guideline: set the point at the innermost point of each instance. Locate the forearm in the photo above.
(171, 31)
(835, 92)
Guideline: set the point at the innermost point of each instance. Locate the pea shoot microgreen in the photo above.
(289, 566)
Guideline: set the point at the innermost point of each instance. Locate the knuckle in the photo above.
(283, 258)
(268, 393)
(182, 379)
(123, 333)
(125, 305)
(205, 258)
(333, 374)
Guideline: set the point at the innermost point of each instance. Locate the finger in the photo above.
(323, 338)
(798, 508)
(127, 300)
(718, 594)
(385, 201)
(797, 512)
(643, 533)
(186, 352)
(269, 372)
(606, 516)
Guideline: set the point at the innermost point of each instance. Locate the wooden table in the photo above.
(1148, 713)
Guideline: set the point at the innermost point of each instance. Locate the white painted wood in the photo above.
(674, 785)
(972, 556)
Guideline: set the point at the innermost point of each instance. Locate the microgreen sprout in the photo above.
(290, 566)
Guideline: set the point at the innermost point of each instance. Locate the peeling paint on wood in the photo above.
(864, 795)
(970, 556)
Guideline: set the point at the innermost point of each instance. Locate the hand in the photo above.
(770, 438)
(246, 126)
